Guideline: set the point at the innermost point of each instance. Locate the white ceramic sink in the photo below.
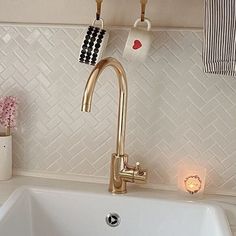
(48, 212)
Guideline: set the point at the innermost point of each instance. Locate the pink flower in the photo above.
(8, 111)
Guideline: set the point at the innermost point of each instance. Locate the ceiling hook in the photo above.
(143, 8)
(99, 6)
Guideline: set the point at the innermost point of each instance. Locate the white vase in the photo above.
(5, 157)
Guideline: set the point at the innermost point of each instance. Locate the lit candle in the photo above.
(193, 184)
(191, 180)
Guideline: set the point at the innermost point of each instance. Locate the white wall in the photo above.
(173, 13)
(176, 113)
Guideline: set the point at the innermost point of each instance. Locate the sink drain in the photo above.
(113, 219)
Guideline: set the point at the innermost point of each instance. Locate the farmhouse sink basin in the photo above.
(51, 212)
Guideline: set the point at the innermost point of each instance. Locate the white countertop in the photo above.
(7, 187)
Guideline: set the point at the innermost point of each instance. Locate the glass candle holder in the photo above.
(191, 180)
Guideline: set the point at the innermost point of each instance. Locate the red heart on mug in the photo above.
(137, 44)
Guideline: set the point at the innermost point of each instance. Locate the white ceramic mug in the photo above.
(138, 42)
(94, 43)
(5, 157)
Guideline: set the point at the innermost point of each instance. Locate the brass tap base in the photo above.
(114, 191)
(121, 173)
(117, 184)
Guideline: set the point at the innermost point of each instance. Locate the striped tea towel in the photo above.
(219, 44)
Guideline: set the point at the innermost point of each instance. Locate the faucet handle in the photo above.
(140, 175)
(138, 168)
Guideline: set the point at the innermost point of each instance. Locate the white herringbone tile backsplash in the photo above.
(176, 113)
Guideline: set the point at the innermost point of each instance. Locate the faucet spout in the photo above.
(120, 172)
(122, 111)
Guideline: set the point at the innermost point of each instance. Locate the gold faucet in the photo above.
(120, 172)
